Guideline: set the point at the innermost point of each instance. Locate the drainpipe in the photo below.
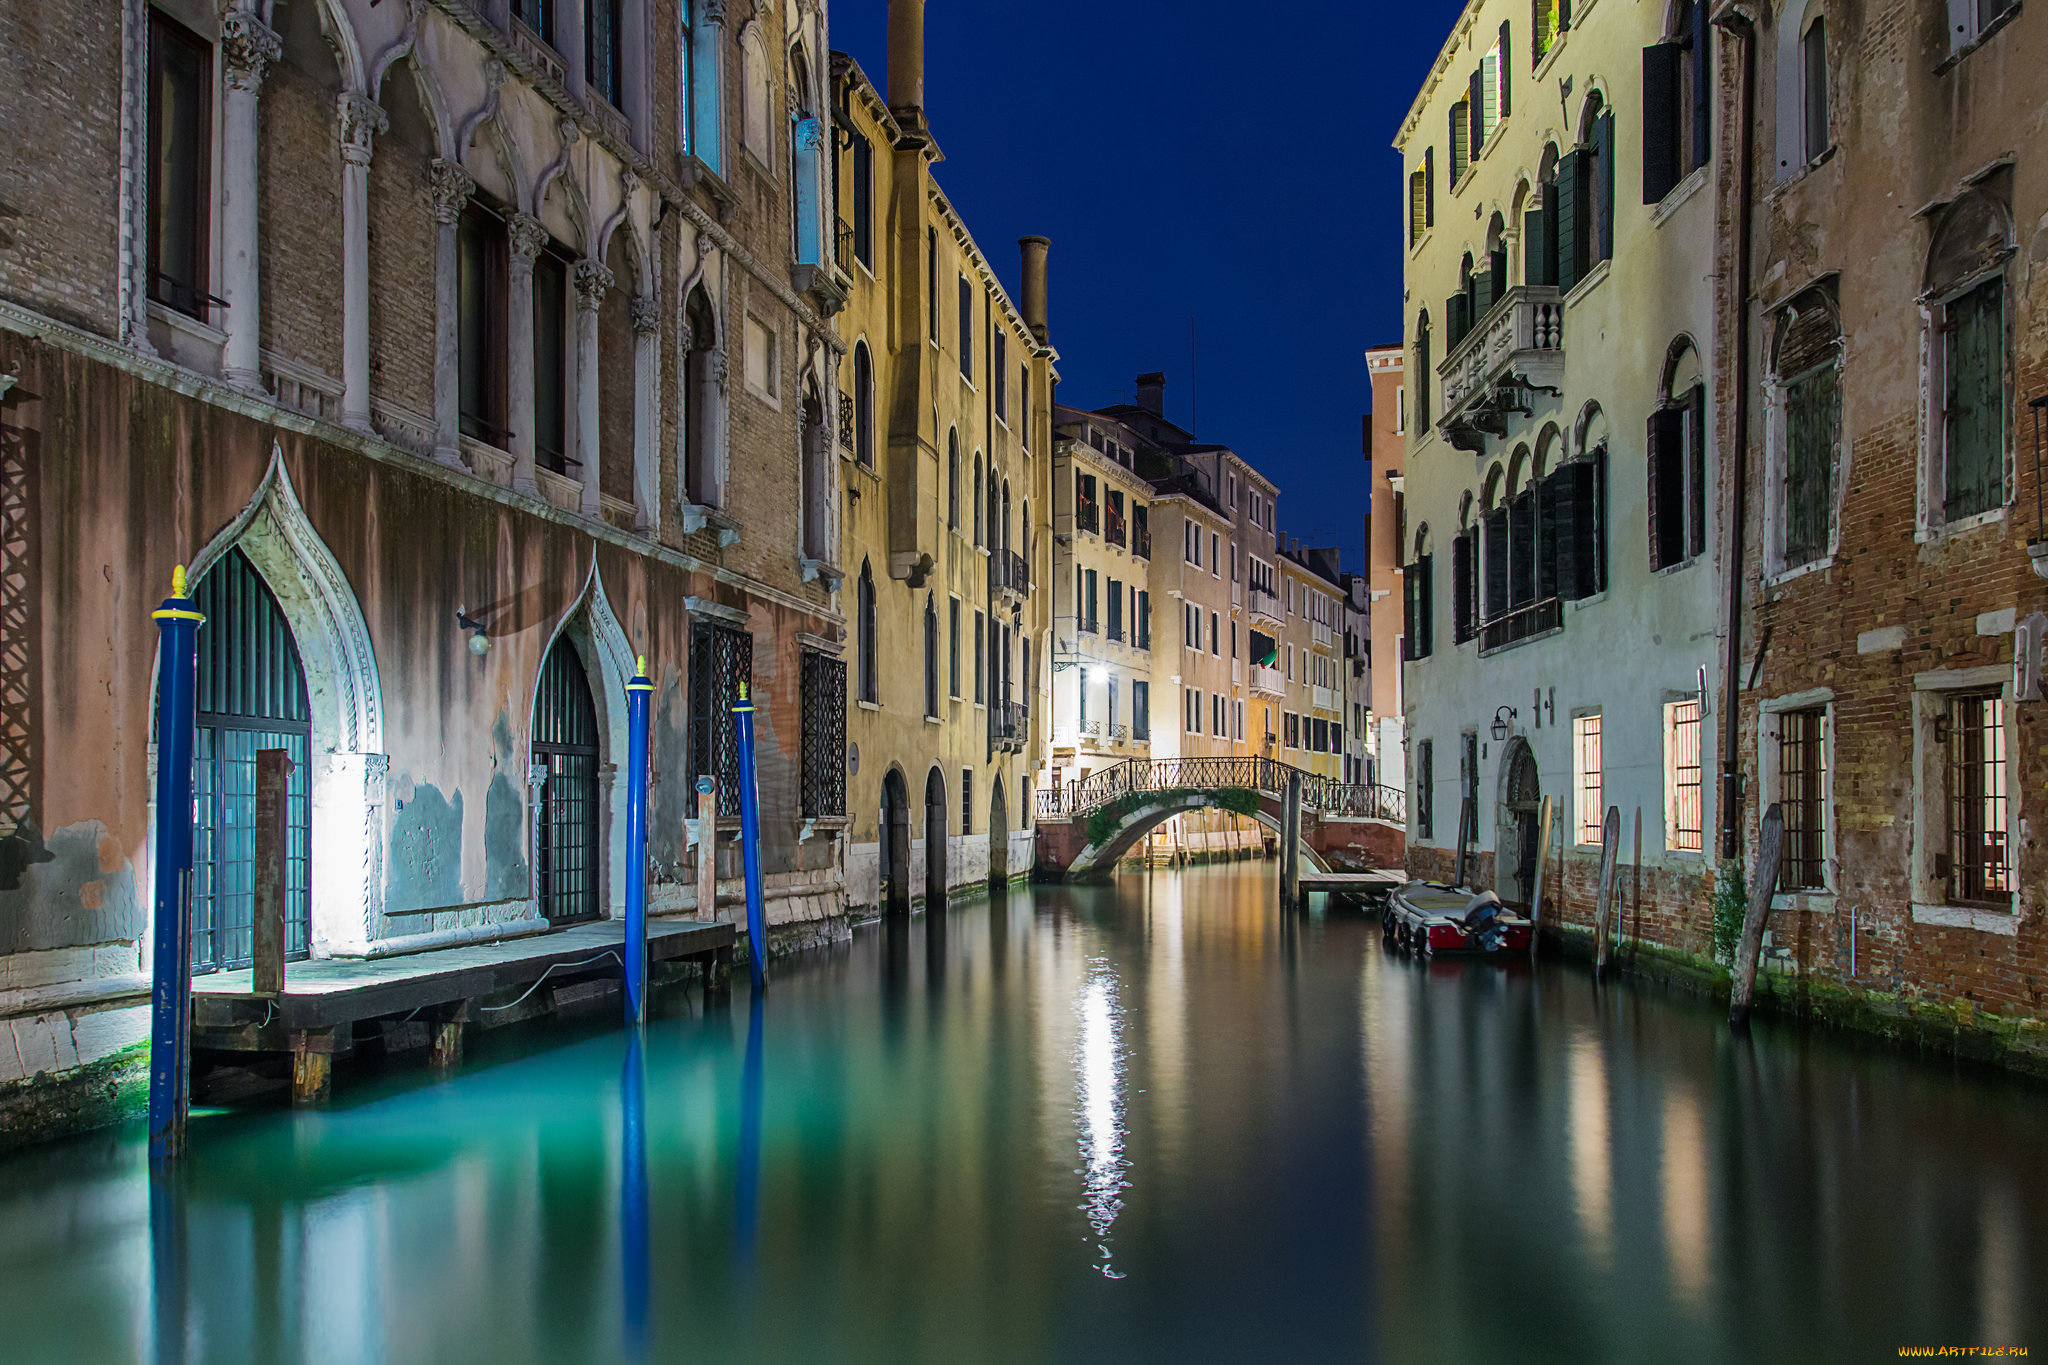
(1742, 29)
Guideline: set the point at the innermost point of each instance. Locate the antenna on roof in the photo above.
(1191, 374)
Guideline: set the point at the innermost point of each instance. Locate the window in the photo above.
(180, 164)
(1549, 19)
(1141, 710)
(1191, 711)
(1215, 636)
(538, 15)
(1677, 103)
(551, 362)
(953, 480)
(1802, 799)
(1290, 726)
(1090, 622)
(931, 657)
(603, 57)
(481, 292)
(1808, 420)
(1589, 813)
(1215, 558)
(931, 279)
(1464, 585)
(1813, 89)
(1461, 139)
(1240, 721)
(999, 372)
(1682, 820)
(1425, 782)
(1678, 465)
(966, 330)
(1970, 20)
(980, 658)
(1024, 406)
(763, 359)
(863, 200)
(1967, 425)
(1422, 371)
(1584, 201)
(1143, 619)
(1974, 867)
(967, 800)
(953, 648)
(721, 664)
(980, 521)
(756, 131)
(865, 606)
(1419, 600)
(824, 738)
(1116, 610)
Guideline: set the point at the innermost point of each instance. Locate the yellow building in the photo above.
(944, 415)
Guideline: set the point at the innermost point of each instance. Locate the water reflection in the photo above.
(1687, 1235)
(747, 1198)
(1591, 1156)
(1098, 1075)
(633, 1212)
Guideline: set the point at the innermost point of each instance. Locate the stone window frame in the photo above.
(1933, 304)
(1579, 789)
(1777, 432)
(1769, 710)
(1931, 693)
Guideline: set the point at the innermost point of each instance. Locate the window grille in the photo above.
(1684, 740)
(967, 800)
(824, 755)
(565, 743)
(1586, 736)
(1802, 782)
(721, 659)
(1978, 870)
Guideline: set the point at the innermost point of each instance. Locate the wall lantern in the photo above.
(479, 642)
(1503, 724)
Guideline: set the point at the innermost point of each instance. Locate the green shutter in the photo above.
(1567, 239)
(1812, 415)
(1974, 420)
(1660, 119)
(1603, 136)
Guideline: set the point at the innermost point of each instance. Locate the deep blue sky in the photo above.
(1226, 161)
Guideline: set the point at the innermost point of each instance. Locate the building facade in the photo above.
(1386, 433)
(1561, 602)
(947, 464)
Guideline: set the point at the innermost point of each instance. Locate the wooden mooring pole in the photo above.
(273, 850)
(1763, 880)
(1610, 855)
(1542, 866)
(1290, 845)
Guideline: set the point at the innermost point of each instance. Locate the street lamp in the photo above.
(1503, 725)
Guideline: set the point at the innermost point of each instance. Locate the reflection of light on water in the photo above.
(1686, 1233)
(1998, 1254)
(1592, 1178)
(1099, 1068)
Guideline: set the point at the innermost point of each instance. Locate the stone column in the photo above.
(528, 239)
(646, 413)
(361, 120)
(247, 48)
(592, 283)
(451, 187)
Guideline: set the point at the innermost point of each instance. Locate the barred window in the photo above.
(1978, 870)
(1682, 776)
(1425, 781)
(824, 720)
(1586, 764)
(1802, 784)
(967, 800)
(721, 662)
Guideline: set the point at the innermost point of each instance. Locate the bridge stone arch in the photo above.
(1099, 860)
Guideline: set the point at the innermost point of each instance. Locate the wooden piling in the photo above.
(1542, 866)
(272, 859)
(1610, 856)
(312, 1066)
(1290, 844)
(1763, 880)
(444, 1052)
(707, 850)
(1635, 896)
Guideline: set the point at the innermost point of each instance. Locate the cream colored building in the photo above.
(1314, 674)
(945, 422)
(1560, 583)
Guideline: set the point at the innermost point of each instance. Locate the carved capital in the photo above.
(361, 120)
(629, 183)
(451, 187)
(646, 314)
(247, 48)
(714, 11)
(529, 236)
(593, 281)
(719, 374)
(685, 338)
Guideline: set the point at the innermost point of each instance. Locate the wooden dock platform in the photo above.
(325, 1000)
(1370, 886)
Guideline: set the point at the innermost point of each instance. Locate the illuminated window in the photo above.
(1586, 779)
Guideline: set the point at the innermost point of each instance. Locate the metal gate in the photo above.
(252, 695)
(721, 663)
(565, 743)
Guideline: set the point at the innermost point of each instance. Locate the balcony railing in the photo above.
(1324, 635)
(1089, 625)
(1118, 734)
(842, 246)
(1115, 632)
(1524, 332)
(1088, 516)
(1141, 542)
(1020, 572)
(1268, 680)
(1009, 724)
(1265, 604)
(1269, 777)
(1117, 527)
(1522, 623)
(1237, 672)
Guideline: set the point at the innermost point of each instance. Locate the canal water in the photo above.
(1146, 1122)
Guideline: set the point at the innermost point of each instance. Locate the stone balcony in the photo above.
(1515, 350)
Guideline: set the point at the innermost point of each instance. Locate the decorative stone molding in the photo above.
(593, 282)
(646, 314)
(529, 236)
(362, 119)
(714, 11)
(247, 47)
(451, 187)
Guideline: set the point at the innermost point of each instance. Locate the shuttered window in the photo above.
(1667, 488)
(1973, 413)
(1522, 549)
(1461, 138)
(1813, 414)
(1463, 593)
(180, 161)
(1496, 569)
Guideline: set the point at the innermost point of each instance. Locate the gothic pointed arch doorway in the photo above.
(252, 696)
(998, 836)
(1515, 835)
(895, 844)
(935, 841)
(566, 748)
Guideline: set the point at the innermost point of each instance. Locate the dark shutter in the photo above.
(1425, 610)
(1522, 549)
(1475, 120)
(1702, 87)
(1408, 641)
(1500, 272)
(1603, 231)
(1538, 265)
(1586, 530)
(1566, 240)
(1661, 66)
(1696, 483)
(1507, 61)
(1454, 315)
(1667, 487)
(1429, 187)
(1556, 517)
(1461, 588)
(1496, 568)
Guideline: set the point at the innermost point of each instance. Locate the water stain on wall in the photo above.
(69, 893)
(425, 866)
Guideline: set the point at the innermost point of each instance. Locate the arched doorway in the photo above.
(894, 845)
(252, 696)
(935, 840)
(1515, 835)
(565, 743)
(998, 836)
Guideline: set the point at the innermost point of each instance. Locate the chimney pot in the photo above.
(906, 62)
(1035, 250)
(1152, 393)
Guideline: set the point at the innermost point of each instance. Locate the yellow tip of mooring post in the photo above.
(743, 691)
(178, 581)
(641, 666)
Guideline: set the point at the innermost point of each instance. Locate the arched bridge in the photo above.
(1085, 827)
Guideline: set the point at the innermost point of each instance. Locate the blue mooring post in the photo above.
(170, 1032)
(636, 845)
(750, 838)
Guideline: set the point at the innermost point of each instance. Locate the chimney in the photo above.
(906, 63)
(1035, 249)
(1152, 393)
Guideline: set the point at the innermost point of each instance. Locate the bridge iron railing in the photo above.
(1324, 795)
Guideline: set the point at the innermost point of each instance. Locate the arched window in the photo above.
(818, 491)
(1003, 540)
(1540, 224)
(756, 97)
(1522, 530)
(1463, 306)
(251, 696)
(980, 530)
(1423, 375)
(865, 609)
(604, 58)
(1465, 613)
(1677, 476)
(931, 656)
(565, 746)
(953, 480)
(863, 406)
(704, 373)
(1420, 610)
(1585, 197)
(994, 532)
(1677, 101)
(1806, 419)
(1968, 470)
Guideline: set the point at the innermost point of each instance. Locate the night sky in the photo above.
(1228, 162)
